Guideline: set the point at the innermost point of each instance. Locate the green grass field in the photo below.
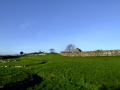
(65, 73)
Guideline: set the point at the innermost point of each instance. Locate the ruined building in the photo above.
(78, 52)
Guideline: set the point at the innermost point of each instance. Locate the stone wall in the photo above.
(93, 53)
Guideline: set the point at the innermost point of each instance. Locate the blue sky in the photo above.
(33, 25)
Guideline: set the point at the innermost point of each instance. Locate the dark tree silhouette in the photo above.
(21, 53)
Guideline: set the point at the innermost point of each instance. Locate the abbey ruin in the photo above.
(78, 52)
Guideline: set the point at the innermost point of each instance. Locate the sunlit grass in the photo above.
(66, 73)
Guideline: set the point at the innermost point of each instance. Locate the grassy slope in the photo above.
(66, 73)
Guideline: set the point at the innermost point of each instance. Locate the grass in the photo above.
(65, 73)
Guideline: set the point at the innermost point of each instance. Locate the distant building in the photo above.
(78, 50)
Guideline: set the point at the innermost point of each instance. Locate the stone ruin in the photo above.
(79, 52)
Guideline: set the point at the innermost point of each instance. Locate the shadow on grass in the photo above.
(23, 85)
(37, 63)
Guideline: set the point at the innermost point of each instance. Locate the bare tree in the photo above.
(52, 50)
(70, 48)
